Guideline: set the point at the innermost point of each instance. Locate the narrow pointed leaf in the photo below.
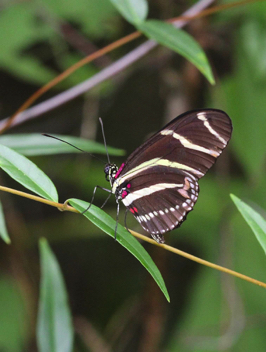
(27, 173)
(107, 224)
(134, 11)
(36, 144)
(179, 41)
(3, 231)
(254, 220)
(54, 325)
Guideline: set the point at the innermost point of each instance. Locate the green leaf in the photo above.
(3, 231)
(35, 144)
(24, 35)
(20, 32)
(179, 41)
(242, 95)
(254, 220)
(253, 41)
(94, 18)
(27, 173)
(107, 224)
(134, 11)
(15, 317)
(54, 325)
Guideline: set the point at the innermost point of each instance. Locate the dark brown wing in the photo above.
(161, 176)
(208, 129)
(161, 203)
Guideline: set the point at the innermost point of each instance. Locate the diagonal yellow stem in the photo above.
(199, 260)
(60, 206)
(66, 207)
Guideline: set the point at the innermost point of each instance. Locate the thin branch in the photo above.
(215, 9)
(66, 207)
(60, 206)
(66, 74)
(198, 260)
(98, 78)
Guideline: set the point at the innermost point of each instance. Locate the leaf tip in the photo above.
(233, 197)
(7, 240)
(42, 242)
(212, 81)
(209, 75)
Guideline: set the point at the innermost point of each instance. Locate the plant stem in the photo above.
(60, 206)
(66, 207)
(20, 115)
(199, 260)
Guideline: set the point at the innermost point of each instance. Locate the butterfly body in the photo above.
(158, 182)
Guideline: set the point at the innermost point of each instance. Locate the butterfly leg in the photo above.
(125, 220)
(106, 200)
(93, 194)
(117, 216)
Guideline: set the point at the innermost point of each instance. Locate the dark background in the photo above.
(116, 306)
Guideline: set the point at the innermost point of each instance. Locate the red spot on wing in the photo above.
(119, 170)
(128, 185)
(133, 210)
(124, 194)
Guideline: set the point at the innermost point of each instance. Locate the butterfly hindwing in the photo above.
(161, 204)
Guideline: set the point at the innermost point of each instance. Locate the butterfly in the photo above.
(158, 183)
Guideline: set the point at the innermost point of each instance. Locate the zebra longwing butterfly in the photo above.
(158, 182)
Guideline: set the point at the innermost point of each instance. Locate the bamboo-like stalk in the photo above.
(66, 207)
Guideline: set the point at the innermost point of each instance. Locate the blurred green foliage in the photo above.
(14, 320)
(27, 24)
(113, 295)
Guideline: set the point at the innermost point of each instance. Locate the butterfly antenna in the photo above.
(83, 151)
(104, 141)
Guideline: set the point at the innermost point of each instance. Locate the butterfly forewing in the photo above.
(158, 182)
(189, 140)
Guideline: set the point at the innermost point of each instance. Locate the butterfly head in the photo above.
(110, 171)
